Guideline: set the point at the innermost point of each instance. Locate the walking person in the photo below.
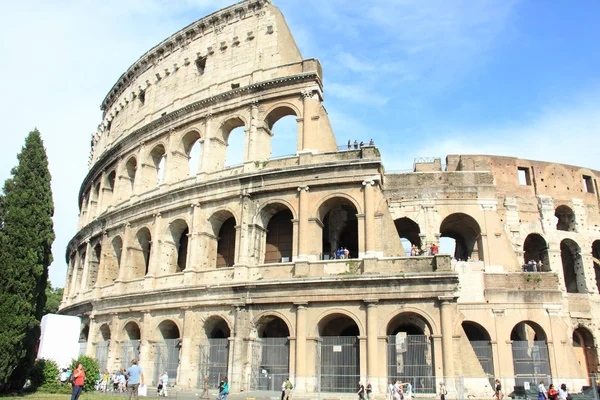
(390, 391)
(283, 389)
(225, 389)
(361, 391)
(78, 381)
(542, 394)
(135, 377)
(498, 392)
(288, 389)
(163, 381)
(563, 394)
(204, 394)
(369, 390)
(443, 391)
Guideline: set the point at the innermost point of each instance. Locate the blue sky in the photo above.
(423, 78)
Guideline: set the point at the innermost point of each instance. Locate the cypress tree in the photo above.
(26, 236)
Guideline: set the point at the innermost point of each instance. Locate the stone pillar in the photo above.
(370, 238)
(239, 372)
(153, 268)
(373, 371)
(447, 351)
(113, 350)
(146, 356)
(192, 263)
(301, 346)
(187, 374)
(84, 274)
(303, 223)
(99, 201)
(123, 266)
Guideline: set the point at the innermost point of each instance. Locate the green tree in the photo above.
(26, 236)
(53, 299)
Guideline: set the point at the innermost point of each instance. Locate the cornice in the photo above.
(179, 39)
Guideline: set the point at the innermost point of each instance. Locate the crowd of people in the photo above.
(417, 251)
(358, 145)
(533, 266)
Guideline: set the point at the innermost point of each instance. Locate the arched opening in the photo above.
(467, 234)
(112, 263)
(94, 266)
(130, 348)
(80, 284)
(95, 197)
(565, 219)
(410, 352)
(481, 344)
(270, 353)
(102, 347)
(109, 189)
(572, 264)
(158, 158)
(140, 253)
(340, 228)
(585, 351)
(535, 252)
(226, 244)
(83, 339)
(279, 237)
(596, 258)
(339, 352)
(283, 124)
(130, 171)
(408, 231)
(167, 351)
(176, 248)
(530, 353)
(192, 147)
(214, 352)
(84, 206)
(234, 135)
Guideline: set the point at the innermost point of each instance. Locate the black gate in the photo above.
(483, 351)
(213, 362)
(410, 359)
(167, 359)
(531, 362)
(102, 354)
(270, 357)
(338, 357)
(130, 350)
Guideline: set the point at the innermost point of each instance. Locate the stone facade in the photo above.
(213, 270)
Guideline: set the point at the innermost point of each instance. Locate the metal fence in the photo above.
(410, 359)
(167, 359)
(82, 348)
(214, 357)
(102, 354)
(531, 362)
(484, 353)
(130, 350)
(270, 363)
(338, 364)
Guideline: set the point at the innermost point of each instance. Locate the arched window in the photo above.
(236, 153)
(102, 347)
(192, 147)
(130, 348)
(141, 252)
(565, 219)
(214, 350)
(272, 348)
(226, 244)
(158, 158)
(126, 190)
(570, 254)
(112, 262)
(340, 227)
(467, 234)
(481, 344)
(167, 350)
(585, 351)
(283, 124)
(176, 247)
(339, 351)
(536, 249)
(94, 266)
(279, 239)
(596, 258)
(530, 353)
(408, 231)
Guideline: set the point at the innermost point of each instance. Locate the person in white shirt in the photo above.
(164, 381)
(562, 392)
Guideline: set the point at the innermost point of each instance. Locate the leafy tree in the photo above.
(26, 236)
(44, 378)
(53, 299)
(91, 368)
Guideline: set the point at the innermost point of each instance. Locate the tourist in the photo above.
(288, 389)
(346, 253)
(563, 394)
(204, 394)
(163, 382)
(552, 392)
(369, 390)
(64, 377)
(390, 390)
(408, 392)
(355, 144)
(498, 391)
(361, 391)
(349, 144)
(135, 377)
(413, 250)
(78, 381)
(443, 392)
(371, 142)
(433, 249)
(542, 394)
(534, 266)
(283, 389)
(361, 144)
(540, 266)
(225, 389)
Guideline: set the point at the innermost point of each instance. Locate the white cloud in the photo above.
(355, 93)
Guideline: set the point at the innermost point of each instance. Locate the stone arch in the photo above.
(565, 219)
(141, 252)
(530, 352)
(228, 152)
(572, 265)
(481, 344)
(338, 216)
(280, 110)
(223, 223)
(155, 166)
(430, 321)
(282, 124)
(129, 178)
(262, 321)
(475, 331)
(94, 262)
(217, 327)
(191, 144)
(175, 247)
(272, 348)
(278, 238)
(409, 230)
(535, 249)
(269, 208)
(337, 313)
(528, 331)
(319, 211)
(214, 348)
(168, 329)
(112, 260)
(596, 261)
(411, 322)
(132, 331)
(586, 353)
(167, 349)
(94, 198)
(465, 230)
(104, 332)
(130, 345)
(84, 333)
(110, 185)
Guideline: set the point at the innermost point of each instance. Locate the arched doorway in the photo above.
(530, 353)
(279, 238)
(214, 352)
(535, 249)
(570, 254)
(585, 351)
(130, 349)
(480, 341)
(596, 258)
(270, 354)
(83, 339)
(226, 244)
(408, 230)
(176, 247)
(410, 352)
(167, 349)
(283, 125)
(102, 347)
(340, 227)
(338, 354)
(466, 232)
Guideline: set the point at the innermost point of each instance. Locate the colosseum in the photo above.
(206, 269)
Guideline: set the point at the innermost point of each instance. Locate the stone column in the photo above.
(447, 351)
(123, 267)
(301, 346)
(238, 374)
(84, 274)
(186, 376)
(99, 201)
(113, 350)
(146, 357)
(372, 355)
(192, 263)
(303, 223)
(369, 219)
(156, 247)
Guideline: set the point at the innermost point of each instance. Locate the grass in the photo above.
(57, 396)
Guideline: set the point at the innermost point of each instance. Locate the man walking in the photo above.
(288, 389)
(135, 376)
(204, 394)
